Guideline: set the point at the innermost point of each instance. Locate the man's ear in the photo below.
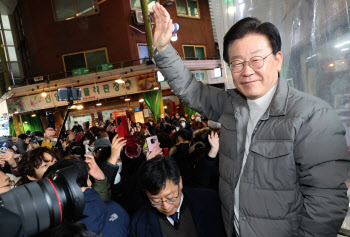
(180, 183)
(279, 60)
(31, 178)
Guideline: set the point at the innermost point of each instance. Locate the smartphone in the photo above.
(151, 142)
(87, 150)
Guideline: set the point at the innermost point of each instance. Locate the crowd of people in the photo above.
(283, 154)
(114, 185)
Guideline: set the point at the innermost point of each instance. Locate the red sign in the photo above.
(118, 113)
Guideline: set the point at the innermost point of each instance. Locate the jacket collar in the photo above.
(278, 105)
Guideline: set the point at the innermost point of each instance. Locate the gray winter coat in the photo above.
(293, 180)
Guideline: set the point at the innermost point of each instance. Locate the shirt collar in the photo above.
(179, 208)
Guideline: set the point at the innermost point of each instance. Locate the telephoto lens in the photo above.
(47, 202)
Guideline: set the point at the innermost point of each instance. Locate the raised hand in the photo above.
(116, 147)
(94, 170)
(155, 152)
(214, 143)
(2, 162)
(9, 157)
(163, 31)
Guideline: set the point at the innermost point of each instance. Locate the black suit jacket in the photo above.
(205, 209)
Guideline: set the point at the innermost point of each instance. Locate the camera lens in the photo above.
(45, 203)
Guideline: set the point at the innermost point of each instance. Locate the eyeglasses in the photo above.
(170, 200)
(256, 62)
(10, 184)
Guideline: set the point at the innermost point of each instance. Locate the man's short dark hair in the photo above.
(250, 25)
(38, 134)
(175, 123)
(76, 229)
(164, 140)
(184, 134)
(33, 159)
(103, 155)
(80, 165)
(23, 136)
(168, 129)
(154, 173)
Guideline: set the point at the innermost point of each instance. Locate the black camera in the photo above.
(47, 202)
(33, 140)
(153, 141)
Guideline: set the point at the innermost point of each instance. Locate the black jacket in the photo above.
(204, 206)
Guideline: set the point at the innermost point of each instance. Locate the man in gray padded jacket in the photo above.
(283, 154)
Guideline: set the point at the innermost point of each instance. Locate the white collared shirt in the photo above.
(178, 211)
(257, 108)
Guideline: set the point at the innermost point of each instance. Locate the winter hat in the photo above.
(182, 119)
(132, 149)
(102, 142)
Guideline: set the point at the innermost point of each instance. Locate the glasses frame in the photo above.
(244, 63)
(173, 199)
(11, 184)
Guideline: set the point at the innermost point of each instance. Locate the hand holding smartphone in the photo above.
(151, 142)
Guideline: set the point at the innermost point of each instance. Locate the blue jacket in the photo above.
(108, 218)
(204, 206)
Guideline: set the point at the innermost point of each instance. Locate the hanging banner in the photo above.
(201, 75)
(88, 92)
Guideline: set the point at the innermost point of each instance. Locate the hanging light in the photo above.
(127, 99)
(141, 100)
(16, 112)
(173, 37)
(98, 104)
(73, 106)
(156, 88)
(25, 122)
(43, 94)
(33, 115)
(119, 81)
(165, 107)
(80, 107)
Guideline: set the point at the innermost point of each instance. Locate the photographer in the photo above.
(38, 135)
(22, 143)
(106, 218)
(34, 163)
(33, 143)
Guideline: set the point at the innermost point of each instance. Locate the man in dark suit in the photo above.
(173, 210)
